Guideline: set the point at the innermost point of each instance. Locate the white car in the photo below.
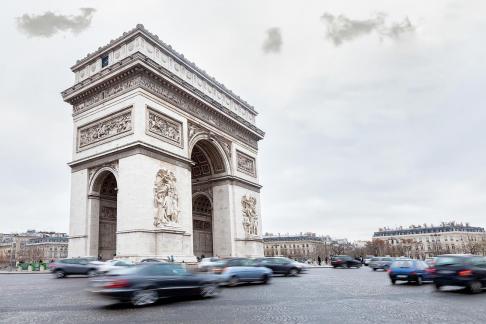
(113, 265)
(207, 263)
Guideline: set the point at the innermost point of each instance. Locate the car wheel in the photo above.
(144, 297)
(374, 269)
(393, 281)
(419, 281)
(91, 273)
(209, 290)
(60, 274)
(437, 286)
(293, 272)
(265, 279)
(233, 281)
(474, 287)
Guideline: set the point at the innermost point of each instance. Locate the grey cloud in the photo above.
(49, 23)
(273, 42)
(341, 28)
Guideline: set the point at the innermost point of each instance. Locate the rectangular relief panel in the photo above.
(105, 129)
(245, 163)
(164, 127)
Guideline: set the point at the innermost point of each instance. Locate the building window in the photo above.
(104, 61)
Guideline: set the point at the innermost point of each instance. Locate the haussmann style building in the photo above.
(304, 246)
(164, 157)
(422, 241)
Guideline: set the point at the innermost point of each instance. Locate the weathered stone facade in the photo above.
(156, 139)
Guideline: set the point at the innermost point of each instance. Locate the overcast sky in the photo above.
(374, 113)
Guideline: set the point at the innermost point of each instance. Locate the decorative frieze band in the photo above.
(171, 95)
(246, 163)
(105, 129)
(164, 127)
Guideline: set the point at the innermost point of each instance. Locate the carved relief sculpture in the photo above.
(246, 163)
(164, 127)
(107, 128)
(167, 93)
(250, 217)
(166, 201)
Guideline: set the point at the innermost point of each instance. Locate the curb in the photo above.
(27, 272)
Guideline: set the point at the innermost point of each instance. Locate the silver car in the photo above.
(380, 263)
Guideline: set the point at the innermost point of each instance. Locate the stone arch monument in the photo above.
(164, 159)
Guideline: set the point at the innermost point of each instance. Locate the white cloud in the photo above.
(49, 23)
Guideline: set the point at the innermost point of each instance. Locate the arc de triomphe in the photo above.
(164, 159)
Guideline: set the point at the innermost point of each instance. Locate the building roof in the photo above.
(49, 240)
(286, 238)
(428, 230)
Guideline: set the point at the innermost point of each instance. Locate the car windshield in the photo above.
(449, 260)
(375, 259)
(402, 264)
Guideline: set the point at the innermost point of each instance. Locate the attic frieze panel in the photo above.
(105, 129)
(164, 127)
(172, 95)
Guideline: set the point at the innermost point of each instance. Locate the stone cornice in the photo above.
(140, 30)
(139, 71)
(128, 150)
(229, 178)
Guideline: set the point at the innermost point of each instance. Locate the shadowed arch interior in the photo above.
(202, 224)
(106, 186)
(208, 161)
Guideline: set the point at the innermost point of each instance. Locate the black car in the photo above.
(460, 270)
(144, 284)
(75, 266)
(280, 265)
(345, 261)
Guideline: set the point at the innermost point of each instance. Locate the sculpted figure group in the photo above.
(166, 200)
(250, 217)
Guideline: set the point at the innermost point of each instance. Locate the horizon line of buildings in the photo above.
(422, 241)
(32, 245)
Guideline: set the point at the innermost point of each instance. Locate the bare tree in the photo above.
(473, 246)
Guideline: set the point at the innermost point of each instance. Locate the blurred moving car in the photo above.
(380, 263)
(344, 261)
(431, 261)
(207, 264)
(410, 270)
(145, 283)
(75, 266)
(114, 264)
(280, 265)
(367, 259)
(152, 260)
(460, 270)
(236, 270)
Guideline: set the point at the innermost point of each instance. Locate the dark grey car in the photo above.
(383, 263)
(75, 266)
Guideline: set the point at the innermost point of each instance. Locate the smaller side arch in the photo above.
(96, 180)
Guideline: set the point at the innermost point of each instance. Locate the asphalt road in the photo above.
(320, 296)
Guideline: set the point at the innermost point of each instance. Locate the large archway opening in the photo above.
(107, 215)
(202, 223)
(208, 163)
